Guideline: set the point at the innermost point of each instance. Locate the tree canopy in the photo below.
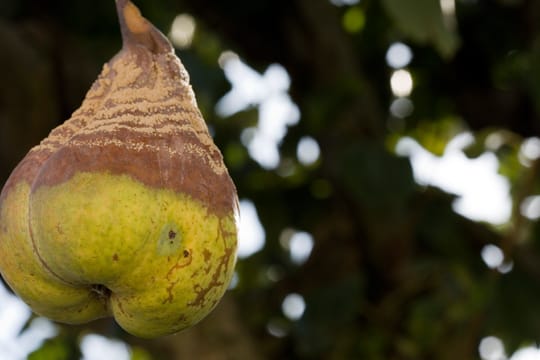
(389, 261)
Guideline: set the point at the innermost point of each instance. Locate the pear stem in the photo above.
(137, 31)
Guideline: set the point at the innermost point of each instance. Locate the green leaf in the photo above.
(376, 178)
(423, 22)
(55, 349)
(138, 353)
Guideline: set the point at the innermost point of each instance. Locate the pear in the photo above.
(126, 209)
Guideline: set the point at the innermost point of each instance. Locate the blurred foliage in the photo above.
(58, 348)
(423, 21)
(395, 273)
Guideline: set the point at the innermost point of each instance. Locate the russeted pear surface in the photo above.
(126, 209)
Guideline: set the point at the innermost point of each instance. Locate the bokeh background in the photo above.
(386, 155)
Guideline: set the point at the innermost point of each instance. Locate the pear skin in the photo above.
(127, 209)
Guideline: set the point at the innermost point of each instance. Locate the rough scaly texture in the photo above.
(141, 103)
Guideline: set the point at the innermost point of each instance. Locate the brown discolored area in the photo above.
(221, 268)
(139, 119)
(25, 171)
(183, 173)
(177, 266)
(207, 255)
(121, 308)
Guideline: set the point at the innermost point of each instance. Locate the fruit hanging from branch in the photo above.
(126, 209)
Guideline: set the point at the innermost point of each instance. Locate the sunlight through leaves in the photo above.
(251, 235)
(293, 306)
(268, 92)
(182, 31)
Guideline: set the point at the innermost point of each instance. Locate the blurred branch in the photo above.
(222, 335)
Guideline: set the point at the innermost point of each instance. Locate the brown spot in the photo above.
(121, 308)
(172, 234)
(200, 299)
(175, 267)
(178, 265)
(170, 296)
(207, 255)
(115, 257)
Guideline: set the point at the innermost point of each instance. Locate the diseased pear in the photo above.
(127, 209)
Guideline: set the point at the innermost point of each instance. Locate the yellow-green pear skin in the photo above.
(126, 209)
